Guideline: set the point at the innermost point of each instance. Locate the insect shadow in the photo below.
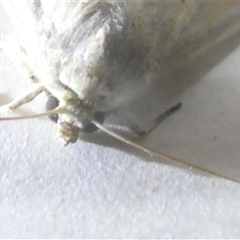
(172, 84)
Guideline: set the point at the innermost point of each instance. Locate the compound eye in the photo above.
(51, 104)
(89, 128)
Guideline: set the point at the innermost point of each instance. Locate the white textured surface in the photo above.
(87, 190)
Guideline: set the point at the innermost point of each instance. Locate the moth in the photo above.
(93, 57)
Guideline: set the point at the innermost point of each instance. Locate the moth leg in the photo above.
(141, 131)
(28, 97)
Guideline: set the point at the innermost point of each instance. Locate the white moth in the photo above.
(92, 57)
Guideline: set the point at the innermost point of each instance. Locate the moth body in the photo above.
(94, 56)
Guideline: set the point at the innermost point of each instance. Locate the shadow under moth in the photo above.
(93, 57)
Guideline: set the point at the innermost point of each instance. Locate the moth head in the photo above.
(74, 121)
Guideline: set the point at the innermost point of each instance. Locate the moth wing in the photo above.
(186, 40)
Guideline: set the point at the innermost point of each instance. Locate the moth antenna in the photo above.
(47, 113)
(160, 155)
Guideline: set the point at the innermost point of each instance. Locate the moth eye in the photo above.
(89, 128)
(51, 104)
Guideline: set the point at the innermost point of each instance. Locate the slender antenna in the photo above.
(160, 155)
(52, 112)
(127, 141)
